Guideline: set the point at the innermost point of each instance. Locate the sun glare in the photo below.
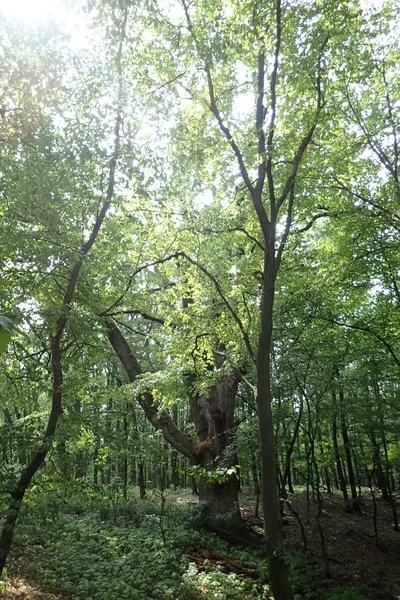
(32, 9)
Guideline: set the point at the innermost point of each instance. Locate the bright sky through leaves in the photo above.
(32, 10)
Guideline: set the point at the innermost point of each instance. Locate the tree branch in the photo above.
(160, 420)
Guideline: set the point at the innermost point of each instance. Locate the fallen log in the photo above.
(214, 559)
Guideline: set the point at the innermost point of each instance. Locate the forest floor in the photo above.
(352, 557)
(17, 585)
(351, 554)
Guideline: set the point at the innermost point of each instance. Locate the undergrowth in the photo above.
(139, 553)
(88, 544)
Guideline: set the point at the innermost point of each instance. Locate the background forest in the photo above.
(200, 296)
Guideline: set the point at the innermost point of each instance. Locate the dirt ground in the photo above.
(353, 558)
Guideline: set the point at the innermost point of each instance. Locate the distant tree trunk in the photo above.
(355, 504)
(287, 475)
(338, 460)
(95, 465)
(256, 480)
(141, 480)
(80, 459)
(125, 462)
(175, 479)
(193, 485)
(380, 476)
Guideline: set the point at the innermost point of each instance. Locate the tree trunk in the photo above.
(355, 503)
(141, 480)
(339, 469)
(18, 493)
(269, 480)
(213, 415)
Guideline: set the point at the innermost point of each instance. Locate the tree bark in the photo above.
(269, 480)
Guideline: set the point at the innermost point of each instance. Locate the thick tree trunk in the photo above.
(213, 415)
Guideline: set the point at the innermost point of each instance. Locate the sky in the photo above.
(32, 9)
(56, 9)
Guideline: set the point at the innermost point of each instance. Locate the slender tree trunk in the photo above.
(380, 476)
(338, 460)
(175, 480)
(141, 480)
(355, 504)
(18, 493)
(269, 480)
(256, 481)
(287, 476)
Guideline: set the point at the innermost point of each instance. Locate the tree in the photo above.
(270, 162)
(59, 325)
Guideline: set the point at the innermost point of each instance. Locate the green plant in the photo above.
(3, 578)
(341, 593)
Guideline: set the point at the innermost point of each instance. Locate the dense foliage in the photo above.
(199, 249)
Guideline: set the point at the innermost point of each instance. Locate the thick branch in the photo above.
(135, 312)
(160, 420)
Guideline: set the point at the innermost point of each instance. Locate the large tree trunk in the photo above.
(213, 415)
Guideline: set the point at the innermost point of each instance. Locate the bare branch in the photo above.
(135, 312)
(365, 329)
(312, 221)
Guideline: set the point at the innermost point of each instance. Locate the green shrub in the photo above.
(350, 593)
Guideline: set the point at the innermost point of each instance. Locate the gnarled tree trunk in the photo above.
(213, 415)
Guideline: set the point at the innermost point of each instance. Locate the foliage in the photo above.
(179, 266)
(82, 555)
(345, 594)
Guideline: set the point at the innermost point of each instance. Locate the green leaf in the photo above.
(5, 332)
